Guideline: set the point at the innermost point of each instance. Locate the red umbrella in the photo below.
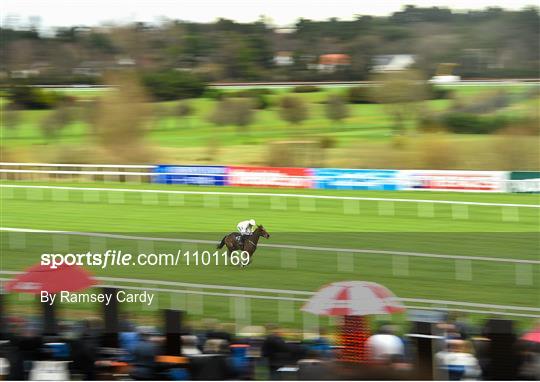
(533, 336)
(354, 300)
(42, 278)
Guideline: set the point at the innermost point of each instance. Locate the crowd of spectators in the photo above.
(215, 352)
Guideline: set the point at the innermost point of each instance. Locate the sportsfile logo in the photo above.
(114, 257)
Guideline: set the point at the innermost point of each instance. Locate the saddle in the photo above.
(239, 240)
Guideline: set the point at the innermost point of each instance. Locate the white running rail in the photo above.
(266, 194)
(281, 246)
(162, 286)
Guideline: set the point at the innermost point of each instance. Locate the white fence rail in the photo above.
(235, 292)
(275, 246)
(268, 194)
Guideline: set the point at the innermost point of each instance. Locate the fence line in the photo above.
(280, 246)
(439, 304)
(15, 164)
(288, 195)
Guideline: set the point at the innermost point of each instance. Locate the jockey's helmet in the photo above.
(252, 222)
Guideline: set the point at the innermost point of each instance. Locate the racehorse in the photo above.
(250, 243)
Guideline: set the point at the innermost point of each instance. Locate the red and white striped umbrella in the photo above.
(353, 298)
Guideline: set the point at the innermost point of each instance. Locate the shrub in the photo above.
(258, 96)
(465, 123)
(213, 93)
(293, 109)
(437, 92)
(233, 111)
(327, 142)
(336, 108)
(33, 98)
(360, 95)
(485, 104)
(172, 84)
(306, 89)
(429, 123)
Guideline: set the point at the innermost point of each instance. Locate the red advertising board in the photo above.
(449, 180)
(269, 177)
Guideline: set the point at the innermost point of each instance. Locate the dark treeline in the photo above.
(487, 43)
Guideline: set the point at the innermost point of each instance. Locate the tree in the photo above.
(122, 116)
(233, 111)
(32, 98)
(172, 84)
(401, 93)
(241, 113)
(49, 127)
(336, 108)
(11, 118)
(64, 114)
(220, 113)
(184, 110)
(293, 109)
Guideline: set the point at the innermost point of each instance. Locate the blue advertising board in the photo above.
(351, 179)
(194, 175)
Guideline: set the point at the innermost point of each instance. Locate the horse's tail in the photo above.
(220, 245)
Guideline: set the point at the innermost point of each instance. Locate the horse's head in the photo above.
(262, 232)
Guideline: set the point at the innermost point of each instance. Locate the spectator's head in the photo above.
(189, 341)
(209, 324)
(456, 346)
(272, 329)
(145, 332)
(189, 345)
(387, 329)
(215, 346)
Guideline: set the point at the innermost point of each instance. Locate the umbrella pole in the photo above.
(353, 339)
(49, 319)
(110, 319)
(3, 331)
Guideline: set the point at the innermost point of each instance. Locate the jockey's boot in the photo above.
(243, 239)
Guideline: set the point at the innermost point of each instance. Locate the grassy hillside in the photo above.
(364, 139)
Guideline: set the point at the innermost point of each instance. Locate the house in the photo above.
(331, 62)
(283, 59)
(392, 62)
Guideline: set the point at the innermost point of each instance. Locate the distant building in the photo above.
(392, 62)
(331, 62)
(24, 73)
(125, 61)
(444, 74)
(90, 68)
(283, 59)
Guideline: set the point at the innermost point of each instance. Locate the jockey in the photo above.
(245, 228)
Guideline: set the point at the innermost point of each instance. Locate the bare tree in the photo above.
(64, 115)
(233, 111)
(184, 110)
(49, 127)
(220, 113)
(122, 117)
(11, 118)
(401, 93)
(336, 108)
(293, 110)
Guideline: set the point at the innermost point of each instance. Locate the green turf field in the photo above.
(472, 230)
